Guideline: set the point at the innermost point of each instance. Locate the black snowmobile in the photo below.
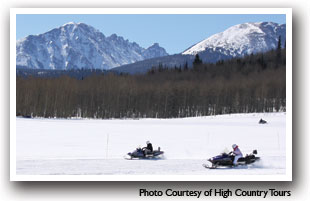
(139, 153)
(226, 160)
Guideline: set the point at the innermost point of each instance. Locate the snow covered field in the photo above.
(98, 147)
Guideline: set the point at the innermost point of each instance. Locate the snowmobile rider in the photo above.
(148, 149)
(237, 153)
(262, 121)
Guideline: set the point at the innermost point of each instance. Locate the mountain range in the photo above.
(80, 46)
(236, 41)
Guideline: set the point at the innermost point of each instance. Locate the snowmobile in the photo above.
(139, 153)
(226, 160)
(262, 121)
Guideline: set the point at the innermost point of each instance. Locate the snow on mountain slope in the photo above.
(77, 46)
(242, 39)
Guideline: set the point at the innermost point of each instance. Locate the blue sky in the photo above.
(175, 32)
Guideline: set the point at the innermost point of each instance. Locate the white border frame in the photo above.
(289, 112)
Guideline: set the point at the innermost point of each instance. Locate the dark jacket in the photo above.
(149, 147)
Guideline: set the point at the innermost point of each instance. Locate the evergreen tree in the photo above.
(279, 43)
(186, 66)
(278, 57)
(197, 63)
(197, 60)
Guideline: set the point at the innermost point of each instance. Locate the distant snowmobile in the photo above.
(226, 160)
(262, 121)
(140, 154)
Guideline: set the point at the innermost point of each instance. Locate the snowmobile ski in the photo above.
(209, 167)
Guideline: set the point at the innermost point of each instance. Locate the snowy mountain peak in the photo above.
(242, 39)
(77, 24)
(154, 49)
(113, 36)
(78, 45)
(70, 23)
(155, 45)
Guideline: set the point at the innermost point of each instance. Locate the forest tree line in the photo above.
(255, 83)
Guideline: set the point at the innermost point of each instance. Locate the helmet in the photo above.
(234, 146)
(147, 142)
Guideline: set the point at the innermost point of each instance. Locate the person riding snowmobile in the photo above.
(262, 121)
(148, 149)
(237, 153)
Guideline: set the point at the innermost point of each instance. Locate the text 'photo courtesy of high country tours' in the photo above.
(171, 94)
